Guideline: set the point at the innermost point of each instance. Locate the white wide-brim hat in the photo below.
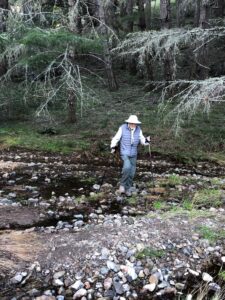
(133, 119)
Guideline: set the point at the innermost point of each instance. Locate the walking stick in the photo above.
(151, 167)
(151, 170)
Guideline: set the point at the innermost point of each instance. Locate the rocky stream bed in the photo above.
(65, 234)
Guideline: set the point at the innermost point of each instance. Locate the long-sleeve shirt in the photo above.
(118, 136)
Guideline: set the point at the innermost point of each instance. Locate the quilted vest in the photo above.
(126, 148)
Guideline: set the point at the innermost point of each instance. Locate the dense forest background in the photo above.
(91, 63)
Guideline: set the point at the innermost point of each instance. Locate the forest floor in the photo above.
(65, 234)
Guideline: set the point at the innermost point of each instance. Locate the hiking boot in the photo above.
(121, 190)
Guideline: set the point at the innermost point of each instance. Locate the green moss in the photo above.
(25, 135)
(221, 275)
(151, 253)
(132, 200)
(211, 234)
(207, 198)
(158, 205)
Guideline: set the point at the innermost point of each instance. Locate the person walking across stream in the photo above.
(129, 136)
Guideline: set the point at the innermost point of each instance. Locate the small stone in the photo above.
(80, 293)
(179, 286)
(58, 282)
(112, 266)
(206, 277)
(105, 253)
(96, 187)
(17, 278)
(141, 274)
(195, 273)
(59, 274)
(214, 287)
(104, 270)
(153, 279)
(60, 297)
(149, 287)
(77, 285)
(118, 286)
(87, 285)
(108, 283)
(162, 285)
(45, 298)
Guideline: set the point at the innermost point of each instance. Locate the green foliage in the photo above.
(151, 253)
(207, 198)
(26, 136)
(173, 180)
(132, 200)
(44, 47)
(211, 234)
(58, 40)
(187, 204)
(221, 275)
(158, 205)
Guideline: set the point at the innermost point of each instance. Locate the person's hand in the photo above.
(113, 150)
(148, 139)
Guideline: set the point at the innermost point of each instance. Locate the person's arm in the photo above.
(116, 138)
(144, 141)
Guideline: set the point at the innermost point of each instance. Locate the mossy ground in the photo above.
(202, 137)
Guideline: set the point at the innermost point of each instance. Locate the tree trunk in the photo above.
(71, 103)
(219, 8)
(149, 66)
(204, 13)
(103, 11)
(148, 14)
(165, 13)
(168, 67)
(75, 16)
(112, 83)
(141, 12)
(180, 13)
(4, 5)
(129, 15)
(197, 13)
